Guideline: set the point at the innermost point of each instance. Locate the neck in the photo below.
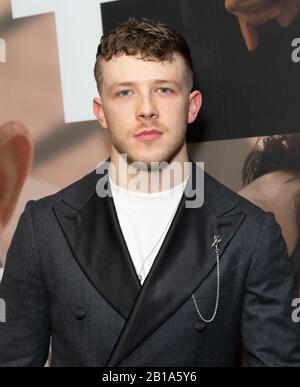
(158, 179)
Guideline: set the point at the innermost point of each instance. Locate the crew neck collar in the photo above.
(177, 190)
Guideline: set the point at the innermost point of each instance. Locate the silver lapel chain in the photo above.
(215, 245)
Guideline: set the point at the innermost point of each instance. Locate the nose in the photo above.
(146, 109)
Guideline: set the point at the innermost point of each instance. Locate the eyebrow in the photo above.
(157, 81)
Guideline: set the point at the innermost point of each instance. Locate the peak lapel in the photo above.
(182, 264)
(97, 243)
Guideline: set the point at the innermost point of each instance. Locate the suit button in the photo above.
(80, 314)
(200, 326)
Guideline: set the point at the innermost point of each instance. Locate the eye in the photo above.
(124, 93)
(165, 90)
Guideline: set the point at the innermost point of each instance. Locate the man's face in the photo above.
(140, 95)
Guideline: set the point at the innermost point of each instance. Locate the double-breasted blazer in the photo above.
(69, 277)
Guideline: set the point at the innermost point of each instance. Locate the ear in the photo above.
(194, 105)
(16, 150)
(99, 112)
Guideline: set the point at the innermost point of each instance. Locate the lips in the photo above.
(149, 135)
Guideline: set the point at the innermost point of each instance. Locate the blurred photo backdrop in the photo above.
(250, 89)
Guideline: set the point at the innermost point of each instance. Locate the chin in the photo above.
(142, 160)
(144, 155)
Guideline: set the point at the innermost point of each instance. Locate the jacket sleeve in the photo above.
(270, 336)
(25, 334)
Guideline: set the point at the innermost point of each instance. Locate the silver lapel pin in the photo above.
(217, 240)
(215, 244)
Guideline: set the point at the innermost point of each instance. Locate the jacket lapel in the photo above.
(184, 261)
(97, 243)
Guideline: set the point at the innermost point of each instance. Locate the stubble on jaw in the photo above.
(144, 164)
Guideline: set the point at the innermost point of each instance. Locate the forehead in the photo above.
(129, 68)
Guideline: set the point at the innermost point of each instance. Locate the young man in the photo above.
(121, 273)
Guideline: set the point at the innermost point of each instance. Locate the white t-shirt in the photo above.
(145, 219)
(2, 259)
